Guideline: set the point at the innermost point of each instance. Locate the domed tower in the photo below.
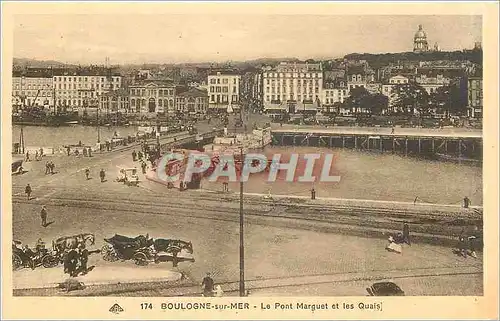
(420, 43)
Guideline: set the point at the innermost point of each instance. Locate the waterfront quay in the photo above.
(342, 242)
(456, 142)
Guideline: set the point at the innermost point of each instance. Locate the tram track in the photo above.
(252, 200)
(338, 219)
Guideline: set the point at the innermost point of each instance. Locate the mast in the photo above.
(21, 134)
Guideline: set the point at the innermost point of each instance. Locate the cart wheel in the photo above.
(17, 263)
(50, 261)
(108, 253)
(141, 259)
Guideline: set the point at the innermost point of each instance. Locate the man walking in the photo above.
(466, 202)
(406, 234)
(143, 166)
(43, 216)
(208, 286)
(28, 191)
(84, 259)
(134, 156)
(102, 175)
(87, 173)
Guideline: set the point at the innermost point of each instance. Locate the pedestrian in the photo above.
(313, 194)
(84, 259)
(102, 175)
(462, 246)
(84, 152)
(36, 155)
(28, 191)
(41, 153)
(72, 262)
(134, 156)
(208, 286)
(43, 216)
(406, 234)
(90, 152)
(87, 173)
(392, 130)
(68, 150)
(467, 202)
(52, 167)
(47, 168)
(143, 166)
(27, 156)
(139, 155)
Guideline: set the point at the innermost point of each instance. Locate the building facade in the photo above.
(333, 92)
(192, 102)
(152, 96)
(74, 88)
(116, 101)
(357, 76)
(293, 87)
(388, 89)
(431, 82)
(475, 97)
(32, 90)
(223, 91)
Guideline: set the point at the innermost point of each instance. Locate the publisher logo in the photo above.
(116, 309)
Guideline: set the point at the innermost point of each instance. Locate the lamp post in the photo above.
(242, 244)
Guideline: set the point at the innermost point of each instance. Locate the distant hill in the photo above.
(27, 62)
(379, 60)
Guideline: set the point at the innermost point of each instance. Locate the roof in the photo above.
(79, 71)
(157, 82)
(229, 72)
(193, 92)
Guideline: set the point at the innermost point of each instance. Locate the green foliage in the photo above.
(380, 60)
(451, 99)
(360, 99)
(410, 97)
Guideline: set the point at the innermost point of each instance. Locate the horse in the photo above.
(172, 246)
(71, 242)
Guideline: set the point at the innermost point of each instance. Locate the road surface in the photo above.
(282, 256)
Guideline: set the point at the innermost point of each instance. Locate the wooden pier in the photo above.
(460, 144)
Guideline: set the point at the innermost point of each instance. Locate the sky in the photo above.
(175, 38)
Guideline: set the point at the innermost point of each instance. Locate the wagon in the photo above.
(42, 257)
(128, 175)
(121, 247)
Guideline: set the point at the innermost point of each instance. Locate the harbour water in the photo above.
(376, 176)
(363, 175)
(58, 136)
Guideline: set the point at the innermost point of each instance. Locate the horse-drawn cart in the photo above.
(32, 259)
(143, 249)
(121, 247)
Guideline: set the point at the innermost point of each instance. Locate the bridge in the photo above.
(454, 142)
(188, 139)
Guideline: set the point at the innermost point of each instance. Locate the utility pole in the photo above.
(242, 244)
(98, 126)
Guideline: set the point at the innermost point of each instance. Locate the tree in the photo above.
(375, 103)
(409, 98)
(451, 99)
(357, 99)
